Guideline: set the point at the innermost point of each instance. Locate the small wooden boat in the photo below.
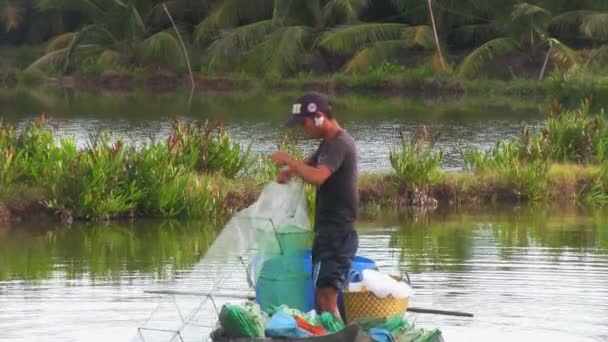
(352, 333)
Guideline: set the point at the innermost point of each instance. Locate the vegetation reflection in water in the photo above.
(102, 251)
(441, 241)
(446, 241)
(258, 106)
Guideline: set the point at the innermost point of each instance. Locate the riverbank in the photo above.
(565, 184)
(199, 171)
(407, 81)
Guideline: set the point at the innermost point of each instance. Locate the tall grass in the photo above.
(569, 137)
(416, 163)
(108, 178)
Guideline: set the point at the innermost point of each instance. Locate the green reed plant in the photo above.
(528, 178)
(497, 157)
(597, 191)
(202, 199)
(97, 183)
(107, 178)
(223, 155)
(572, 134)
(416, 163)
(171, 200)
(200, 148)
(9, 171)
(38, 146)
(153, 168)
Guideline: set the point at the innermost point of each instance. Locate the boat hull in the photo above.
(352, 333)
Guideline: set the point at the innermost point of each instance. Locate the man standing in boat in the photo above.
(333, 169)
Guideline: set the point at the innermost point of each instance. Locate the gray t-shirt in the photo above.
(337, 198)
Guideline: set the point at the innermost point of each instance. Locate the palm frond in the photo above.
(595, 26)
(57, 58)
(349, 10)
(11, 14)
(136, 22)
(282, 53)
(110, 57)
(230, 13)
(530, 12)
(475, 61)
(419, 36)
(562, 53)
(568, 23)
(374, 55)
(238, 41)
(475, 34)
(349, 39)
(59, 42)
(86, 6)
(95, 34)
(205, 32)
(161, 48)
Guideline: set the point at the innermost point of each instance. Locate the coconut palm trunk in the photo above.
(542, 70)
(430, 2)
(179, 36)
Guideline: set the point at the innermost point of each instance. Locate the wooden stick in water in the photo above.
(251, 296)
(440, 312)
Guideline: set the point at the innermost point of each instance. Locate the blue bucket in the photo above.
(284, 277)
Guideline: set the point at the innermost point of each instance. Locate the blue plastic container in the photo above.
(287, 279)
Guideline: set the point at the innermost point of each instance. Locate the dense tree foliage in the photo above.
(282, 37)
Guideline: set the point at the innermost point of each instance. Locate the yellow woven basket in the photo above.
(364, 304)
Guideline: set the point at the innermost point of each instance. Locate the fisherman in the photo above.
(333, 169)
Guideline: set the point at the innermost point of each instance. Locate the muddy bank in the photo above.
(381, 192)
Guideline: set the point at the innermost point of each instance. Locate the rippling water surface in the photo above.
(528, 274)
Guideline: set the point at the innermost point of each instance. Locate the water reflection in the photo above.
(102, 251)
(525, 272)
(445, 240)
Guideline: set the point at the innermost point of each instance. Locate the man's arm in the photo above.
(287, 172)
(303, 169)
(310, 174)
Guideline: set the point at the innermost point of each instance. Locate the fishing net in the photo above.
(264, 247)
(271, 238)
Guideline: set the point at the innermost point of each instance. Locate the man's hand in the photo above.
(281, 158)
(284, 175)
(310, 174)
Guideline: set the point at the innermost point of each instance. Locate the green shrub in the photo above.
(416, 164)
(110, 179)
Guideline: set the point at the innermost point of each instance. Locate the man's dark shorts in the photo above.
(332, 257)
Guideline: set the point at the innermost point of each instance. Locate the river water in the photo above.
(257, 118)
(527, 273)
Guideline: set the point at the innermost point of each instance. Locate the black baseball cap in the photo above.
(307, 106)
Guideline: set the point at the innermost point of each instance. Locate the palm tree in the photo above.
(117, 33)
(278, 34)
(527, 31)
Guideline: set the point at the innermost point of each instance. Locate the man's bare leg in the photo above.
(326, 300)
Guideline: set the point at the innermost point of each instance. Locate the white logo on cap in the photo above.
(296, 109)
(312, 107)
